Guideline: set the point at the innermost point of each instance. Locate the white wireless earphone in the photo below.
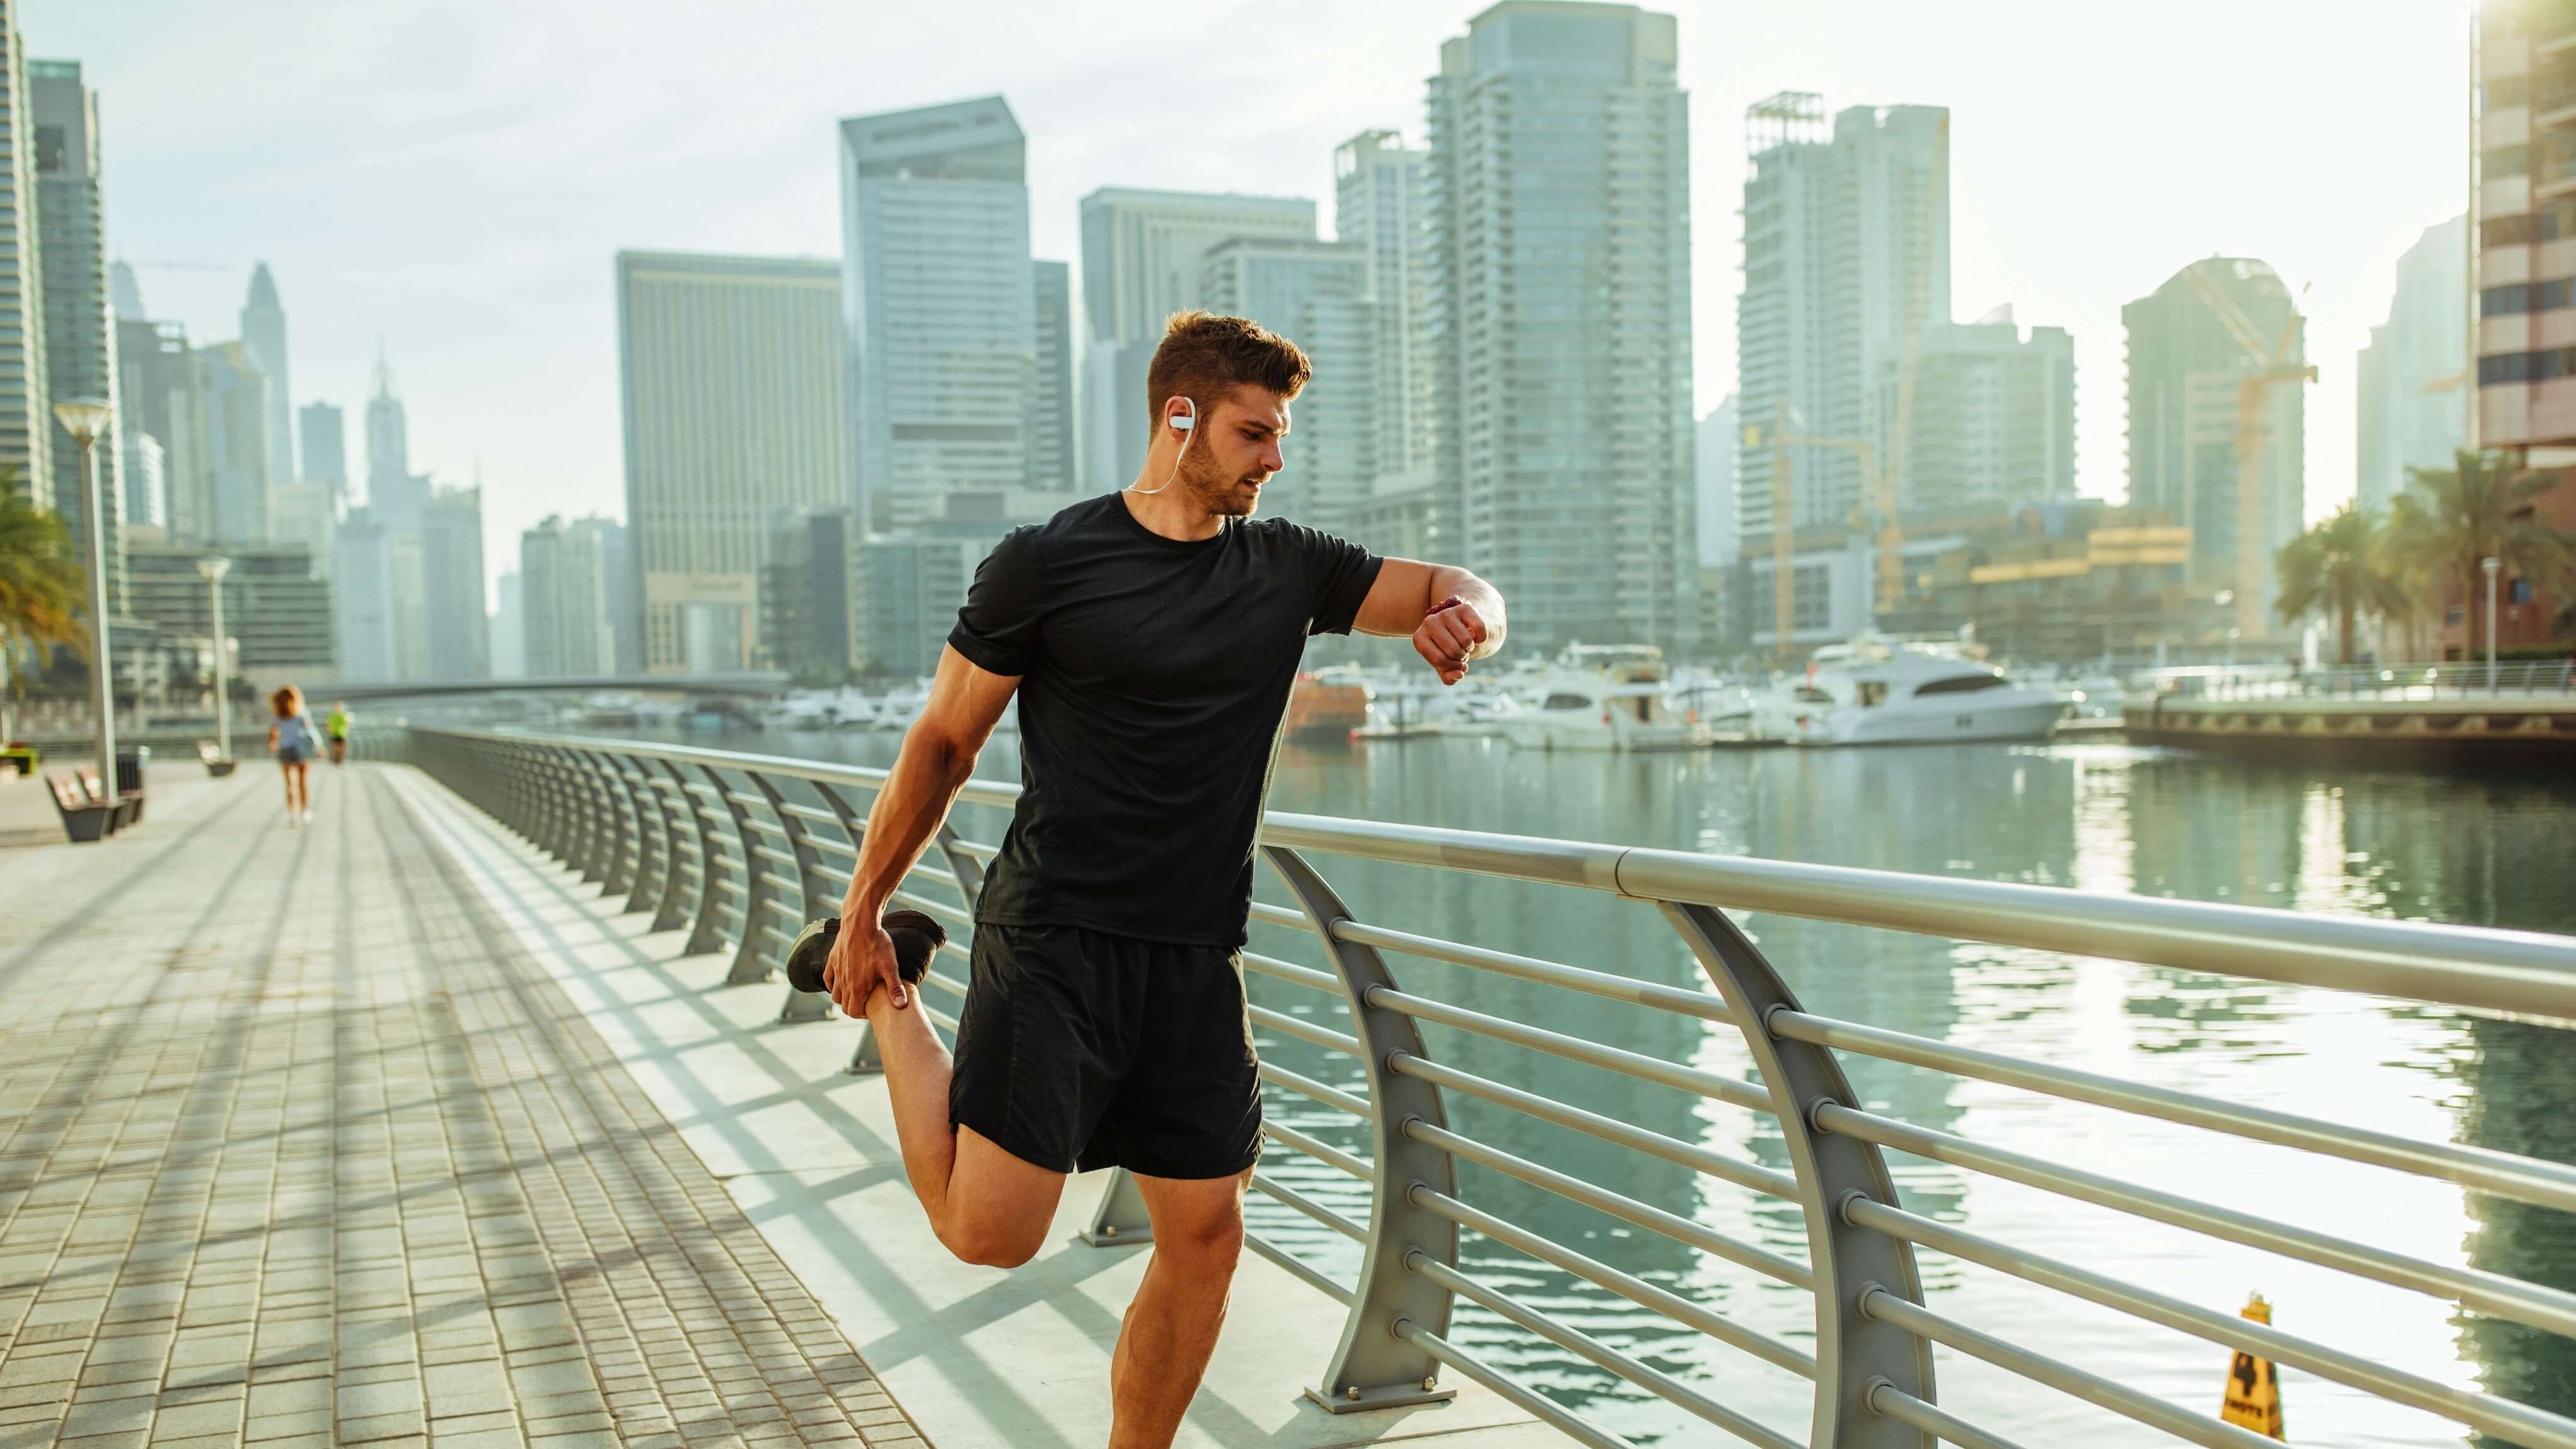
(1183, 425)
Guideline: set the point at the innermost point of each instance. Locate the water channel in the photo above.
(2495, 850)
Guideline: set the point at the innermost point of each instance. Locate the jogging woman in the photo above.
(294, 741)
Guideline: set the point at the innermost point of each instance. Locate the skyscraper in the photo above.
(1051, 400)
(1992, 417)
(731, 384)
(145, 481)
(26, 412)
(388, 447)
(1560, 217)
(236, 455)
(303, 512)
(80, 338)
(124, 294)
(377, 585)
(1315, 294)
(162, 398)
(1846, 258)
(457, 645)
(2414, 403)
(2196, 345)
(564, 590)
(1143, 255)
(936, 305)
(323, 433)
(263, 329)
(1377, 206)
(509, 628)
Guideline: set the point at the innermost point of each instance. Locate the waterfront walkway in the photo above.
(388, 1131)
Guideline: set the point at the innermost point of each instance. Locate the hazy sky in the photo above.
(456, 177)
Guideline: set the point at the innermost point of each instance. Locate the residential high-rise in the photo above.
(509, 628)
(320, 429)
(731, 385)
(1846, 258)
(236, 454)
(2195, 344)
(1143, 255)
(1378, 195)
(1315, 294)
(1992, 420)
(625, 624)
(458, 645)
(936, 306)
(805, 614)
(564, 588)
(162, 397)
(1715, 473)
(1051, 400)
(2414, 406)
(26, 411)
(263, 329)
(277, 608)
(377, 588)
(80, 337)
(145, 481)
(388, 446)
(304, 513)
(124, 294)
(1560, 222)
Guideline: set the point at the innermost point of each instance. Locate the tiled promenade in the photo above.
(299, 1146)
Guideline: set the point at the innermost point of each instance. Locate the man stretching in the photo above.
(1153, 637)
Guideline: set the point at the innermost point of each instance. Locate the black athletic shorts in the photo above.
(1079, 1049)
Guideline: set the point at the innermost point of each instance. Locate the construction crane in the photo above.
(2272, 367)
(1784, 528)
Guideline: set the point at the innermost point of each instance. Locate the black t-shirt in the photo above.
(1153, 676)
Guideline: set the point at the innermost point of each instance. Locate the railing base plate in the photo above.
(1396, 1397)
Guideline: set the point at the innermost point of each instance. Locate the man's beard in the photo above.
(1223, 495)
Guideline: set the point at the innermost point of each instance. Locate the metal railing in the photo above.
(738, 849)
(2453, 679)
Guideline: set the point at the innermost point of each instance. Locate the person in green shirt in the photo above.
(336, 724)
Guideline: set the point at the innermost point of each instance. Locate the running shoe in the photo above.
(916, 937)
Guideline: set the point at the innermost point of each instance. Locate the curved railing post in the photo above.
(1375, 1367)
(595, 846)
(800, 1005)
(706, 931)
(752, 952)
(624, 848)
(1855, 1354)
(661, 781)
(652, 834)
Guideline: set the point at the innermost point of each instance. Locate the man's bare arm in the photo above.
(1402, 601)
(938, 758)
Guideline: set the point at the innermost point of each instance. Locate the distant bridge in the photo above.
(747, 681)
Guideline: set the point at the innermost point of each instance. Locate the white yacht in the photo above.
(1602, 697)
(1876, 692)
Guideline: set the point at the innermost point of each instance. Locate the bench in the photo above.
(85, 818)
(129, 803)
(218, 764)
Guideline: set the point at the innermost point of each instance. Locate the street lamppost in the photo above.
(2493, 566)
(85, 418)
(212, 570)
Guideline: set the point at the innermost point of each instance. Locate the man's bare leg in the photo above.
(986, 1205)
(1170, 1328)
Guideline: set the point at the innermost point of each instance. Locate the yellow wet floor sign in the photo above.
(2254, 1385)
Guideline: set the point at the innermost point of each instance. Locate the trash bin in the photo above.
(129, 773)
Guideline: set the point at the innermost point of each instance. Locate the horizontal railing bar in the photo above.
(775, 856)
(808, 812)
(1608, 1129)
(1636, 1290)
(836, 846)
(1298, 1268)
(2474, 1289)
(2547, 1184)
(1601, 1355)
(924, 904)
(775, 934)
(2509, 971)
(1330, 1096)
(729, 885)
(1573, 1425)
(1320, 1150)
(1286, 1025)
(1635, 1064)
(1311, 1208)
(1626, 1209)
(976, 849)
(1291, 971)
(1877, 1302)
(1886, 1398)
(2526, 973)
(1529, 968)
(2520, 1423)
(1281, 916)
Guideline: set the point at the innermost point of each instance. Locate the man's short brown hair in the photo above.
(1204, 356)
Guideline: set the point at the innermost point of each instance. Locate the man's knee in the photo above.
(994, 1244)
(1206, 1229)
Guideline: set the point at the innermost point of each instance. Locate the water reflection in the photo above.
(2107, 818)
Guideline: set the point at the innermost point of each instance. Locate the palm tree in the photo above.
(2476, 509)
(2334, 568)
(40, 584)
